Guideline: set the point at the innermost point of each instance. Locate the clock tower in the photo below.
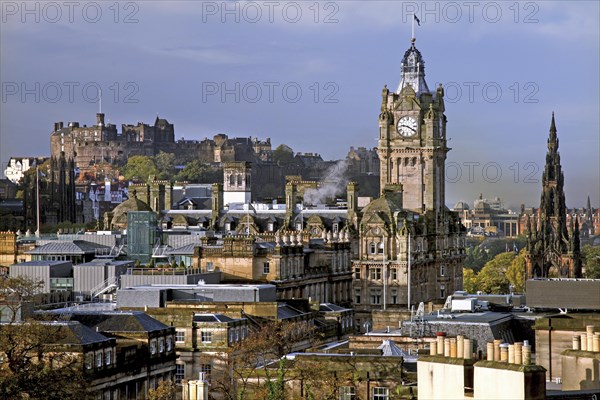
(412, 137)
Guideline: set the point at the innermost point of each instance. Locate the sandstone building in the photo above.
(411, 246)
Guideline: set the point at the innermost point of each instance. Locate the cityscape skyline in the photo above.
(218, 83)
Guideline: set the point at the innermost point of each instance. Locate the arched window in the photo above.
(380, 247)
(414, 161)
(372, 248)
(239, 180)
(232, 180)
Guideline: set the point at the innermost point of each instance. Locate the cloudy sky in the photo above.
(309, 74)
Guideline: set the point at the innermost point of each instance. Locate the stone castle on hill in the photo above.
(102, 143)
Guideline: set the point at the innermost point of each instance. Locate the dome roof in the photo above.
(461, 206)
(119, 220)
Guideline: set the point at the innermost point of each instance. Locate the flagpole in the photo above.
(37, 187)
(409, 272)
(413, 27)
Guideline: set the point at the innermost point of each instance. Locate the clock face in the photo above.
(407, 126)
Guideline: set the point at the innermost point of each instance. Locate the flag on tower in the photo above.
(417, 19)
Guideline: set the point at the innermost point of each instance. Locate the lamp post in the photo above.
(384, 274)
(408, 264)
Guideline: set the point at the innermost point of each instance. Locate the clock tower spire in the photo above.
(412, 137)
(412, 70)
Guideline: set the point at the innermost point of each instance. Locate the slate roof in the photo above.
(118, 321)
(76, 247)
(285, 311)
(330, 307)
(186, 250)
(212, 318)
(389, 348)
(75, 333)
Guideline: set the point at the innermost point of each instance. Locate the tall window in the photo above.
(375, 274)
(179, 372)
(89, 361)
(375, 296)
(206, 336)
(380, 247)
(266, 268)
(380, 393)
(108, 357)
(394, 273)
(394, 296)
(180, 336)
(356, 273)
(99, 360)
(335, 228)
(372, 248)
(357, 296)
(207, 369)
(347, 393)
(442, 291)
(442, 270)
(210, 266)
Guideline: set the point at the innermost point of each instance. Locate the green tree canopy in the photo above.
(140, 167)
(492, 278)
(591, 261)
(516, 273)
(199, 172)
(469, 280)
(165, 163)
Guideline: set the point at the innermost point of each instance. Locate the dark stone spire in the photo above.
(553, 248)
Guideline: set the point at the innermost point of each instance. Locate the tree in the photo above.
(247, 375)
(469, 280)
(199, 172)
(591, 261)
(166, 390)
(34, 365)
(140, 167)
(476, 258)
(165, 163)
(516, 273)
(283, 154)
(492, 277)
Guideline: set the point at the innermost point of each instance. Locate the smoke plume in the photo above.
(334, 182)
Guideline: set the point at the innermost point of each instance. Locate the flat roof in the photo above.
(237, 286)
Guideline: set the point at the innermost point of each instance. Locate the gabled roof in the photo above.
(75, 333)
(389, 348)
(118, 321)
